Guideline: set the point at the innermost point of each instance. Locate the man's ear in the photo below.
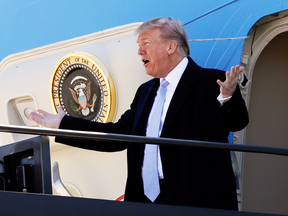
(172, 47)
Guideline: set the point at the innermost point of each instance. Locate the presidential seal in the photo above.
(83, 86)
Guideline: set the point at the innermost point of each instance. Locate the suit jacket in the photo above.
(192, 176)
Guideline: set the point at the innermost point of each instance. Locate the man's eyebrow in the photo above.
(144, 38)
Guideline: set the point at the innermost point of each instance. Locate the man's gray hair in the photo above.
(170, 29)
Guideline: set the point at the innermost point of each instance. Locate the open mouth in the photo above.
(145, 61)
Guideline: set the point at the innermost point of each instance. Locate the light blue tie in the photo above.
(150, 167)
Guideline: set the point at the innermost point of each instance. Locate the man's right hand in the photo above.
(46, 119)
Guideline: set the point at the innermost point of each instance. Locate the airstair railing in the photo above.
(141, 139)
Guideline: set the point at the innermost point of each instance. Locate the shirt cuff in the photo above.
(222, 100)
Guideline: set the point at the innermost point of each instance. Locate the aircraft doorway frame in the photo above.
(261, 34)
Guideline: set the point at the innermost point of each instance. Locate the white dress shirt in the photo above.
(173, 78)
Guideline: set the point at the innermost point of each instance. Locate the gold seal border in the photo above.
(109, 93)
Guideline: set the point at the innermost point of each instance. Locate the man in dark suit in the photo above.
(199, 104)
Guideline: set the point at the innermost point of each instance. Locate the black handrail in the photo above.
(141, 139)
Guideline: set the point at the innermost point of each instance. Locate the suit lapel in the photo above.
(182, 92)
(145, 106)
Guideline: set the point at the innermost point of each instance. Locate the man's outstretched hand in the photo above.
(228, 87)
(46, 119)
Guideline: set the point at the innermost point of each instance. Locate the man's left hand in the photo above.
(228, 87)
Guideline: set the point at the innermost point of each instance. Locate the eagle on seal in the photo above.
(81, 95)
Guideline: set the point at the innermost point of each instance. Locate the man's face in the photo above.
(153, 50)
